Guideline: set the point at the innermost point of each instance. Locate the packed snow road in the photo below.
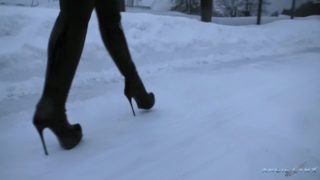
(230, 101)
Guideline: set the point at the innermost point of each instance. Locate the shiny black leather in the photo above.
(64, 51)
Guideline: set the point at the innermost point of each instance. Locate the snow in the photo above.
(230, 100)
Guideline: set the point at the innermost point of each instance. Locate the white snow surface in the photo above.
(230, 101)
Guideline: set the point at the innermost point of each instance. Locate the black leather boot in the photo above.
(64, 51)
(115, 41)
(135, 89)
(49, 115)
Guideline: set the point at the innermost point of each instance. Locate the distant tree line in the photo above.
(230, 8)
(306, 9)
(234, 8)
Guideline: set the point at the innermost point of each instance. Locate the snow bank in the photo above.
(153, 39)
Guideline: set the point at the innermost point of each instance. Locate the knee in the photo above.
(78, 20)
(109, 21)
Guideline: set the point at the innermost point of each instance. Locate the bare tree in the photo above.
(240, 7)
(206, 10)
(259, 12)
(293, 7)
(230, 7)
(187, 6)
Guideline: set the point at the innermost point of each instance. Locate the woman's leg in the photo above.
(109, 19)
(64, 51)
(114, 39)
(65, 47)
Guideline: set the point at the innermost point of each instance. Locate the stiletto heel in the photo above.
(40, 131)
(130, 101)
